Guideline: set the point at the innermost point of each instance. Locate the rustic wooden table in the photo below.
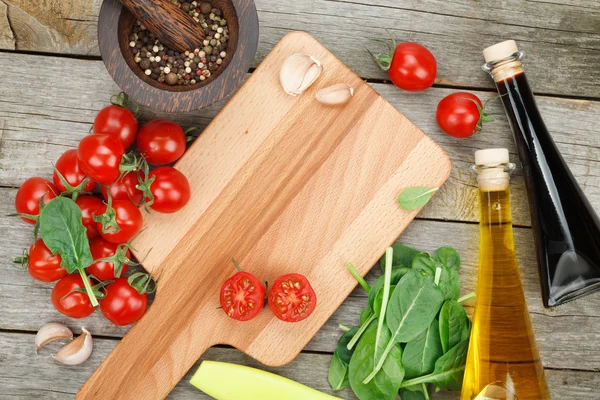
(52, 83)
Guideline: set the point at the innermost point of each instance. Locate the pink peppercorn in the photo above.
(187, 77)
(198, 72)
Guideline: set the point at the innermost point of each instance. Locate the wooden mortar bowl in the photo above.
(115, 24)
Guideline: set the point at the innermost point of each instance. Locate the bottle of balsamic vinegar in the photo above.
(566, 227)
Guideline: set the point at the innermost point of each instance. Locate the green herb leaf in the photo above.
(449, 284)
(397, 274)
(386, 383)
(448, 256)
(403, 256)
(413, 198)
(365, 314)
(414, 393)
(454, 325)
(425, 264)
(338, 374)
(342, 345)
(363, 327)
(377, 303)
(420, 355)
(63, 233)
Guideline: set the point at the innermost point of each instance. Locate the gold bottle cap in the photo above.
(500, 51)
(491, 157)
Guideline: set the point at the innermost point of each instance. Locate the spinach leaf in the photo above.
(449, 284)
(365, 314)
(397, 274)
(386, 383)
(425, 264)
(413, 198)
(379, 299)
(448, 256)
(454, 325)
(420, 355)
(338, 369)
(63, 233)
(403, 256)
(363, 327)
(341, 349)
(418, 392)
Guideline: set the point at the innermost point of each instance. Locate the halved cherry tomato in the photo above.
(29, 194)
(90, 207)
(161, 142)
(123, 305)
(104, 270)
(100, 156)
(170, 190)
(461, 114)
(68, 166)
(119, 122)
(125, 189)
(242, 296)
(128, 217)
(43, 265)
(69, 302)
(291, 298)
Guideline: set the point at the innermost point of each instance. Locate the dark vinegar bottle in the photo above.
(566, 227)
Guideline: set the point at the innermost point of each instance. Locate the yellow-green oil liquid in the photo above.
(503, 360)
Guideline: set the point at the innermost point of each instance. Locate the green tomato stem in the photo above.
(88, 287)
(359, 278)
(360, 331)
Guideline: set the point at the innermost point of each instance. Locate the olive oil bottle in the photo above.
(503, 361)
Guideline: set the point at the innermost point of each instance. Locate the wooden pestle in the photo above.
(171, 25)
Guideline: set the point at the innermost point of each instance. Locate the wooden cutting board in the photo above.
(282, 184)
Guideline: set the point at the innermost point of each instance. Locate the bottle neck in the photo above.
(502, 69)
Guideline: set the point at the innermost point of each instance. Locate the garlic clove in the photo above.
(298, 72)
(337, 94)
(77, 351)
(50, 332)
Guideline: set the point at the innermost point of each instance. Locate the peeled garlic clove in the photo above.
(50, 332)
(339, 93)
(298, 72)
(77, 351)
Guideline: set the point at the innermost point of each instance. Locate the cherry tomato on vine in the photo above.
(291, 298)
(43, 265)
(29, 194)
(68, 166)
(411, 66)
(104, 270)
(461, 114)
(127, 217)
(123, 304)
(170, 190)
(125, 189)
(242, 296)
(161, 142)
(118, 121)
(90, 207)
(69, 302)
(100, 156)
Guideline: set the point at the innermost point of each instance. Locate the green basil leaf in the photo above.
(420, 354)
(449, 284)
(425, 264)
(63, 233)
(386, 383)
(413, 198)
(338, 373)
(454, 325)
(448, 256)
(450, 368)
(403, 256)
(341, 348)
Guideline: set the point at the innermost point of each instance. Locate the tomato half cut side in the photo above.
(291, 298)
(242, 296)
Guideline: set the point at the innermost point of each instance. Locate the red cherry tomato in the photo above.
(90, 207)
(171, 190)
(461, 114)
(43, 265)
(29, 194)
(125, 189)
(128, 217)
(104, 270)
(68, 302)
(119, 122)
(161, 142)
(291, 298)
(99, 157)
(68, 166)
(413, 67)
(242, 296)
(123, 305)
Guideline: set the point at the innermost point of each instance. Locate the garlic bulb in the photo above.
(337, 94)
(77, 351)
(50, 332)
(298, 72)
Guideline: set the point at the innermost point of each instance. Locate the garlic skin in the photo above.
(337, 94)
(77, 351)
(50, 332)
(298, 72)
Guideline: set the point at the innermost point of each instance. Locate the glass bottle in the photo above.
(503, 361)
(566, 228)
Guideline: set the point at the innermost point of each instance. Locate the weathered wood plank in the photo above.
(25, 304)
(25, 375)
(562, 37)
(7, 39)
(40, 118)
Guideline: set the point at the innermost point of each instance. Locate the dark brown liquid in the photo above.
(567, 230)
